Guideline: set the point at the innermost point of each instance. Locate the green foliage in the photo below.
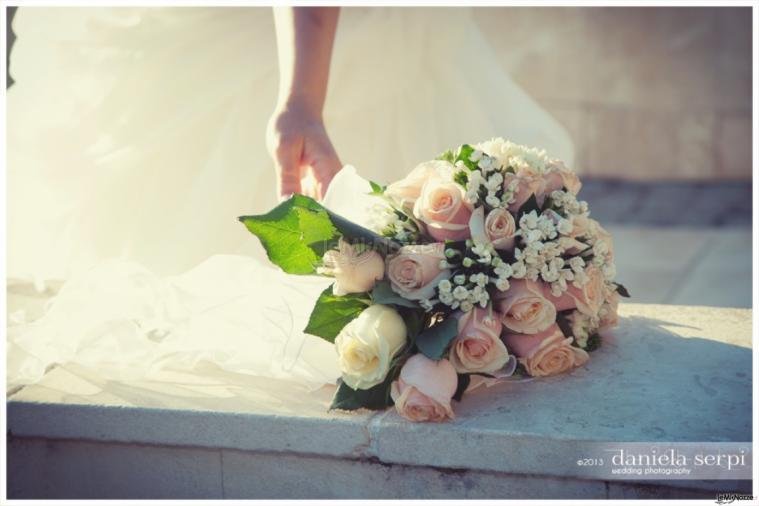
(377, 397)
(531, 204)
(434, 340)
(384, 294)
(355, 232)
(294, 233)
(377, 189)
(562, 321)
(464, 380)
(463, 154)
(594, 342)
(333, 312)
(415, 320)
(461, 178)
(520, 370)
(447, 156)
(621, 290)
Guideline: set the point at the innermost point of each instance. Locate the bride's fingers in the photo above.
(288, 170)
(324, 168)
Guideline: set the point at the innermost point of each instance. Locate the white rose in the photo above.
(367, 345)
(354, 272)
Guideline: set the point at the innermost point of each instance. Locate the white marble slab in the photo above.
(669, 373)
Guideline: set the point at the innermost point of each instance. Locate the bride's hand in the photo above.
(298, 142)
(296, 136)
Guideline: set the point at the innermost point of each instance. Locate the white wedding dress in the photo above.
(136, 138)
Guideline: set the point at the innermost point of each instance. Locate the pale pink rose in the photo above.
(441, 207)
(587, 299)
(580, 226)
(526, 187)
(354, 272)
(559, 176)
(498, 228)
(478, 346)
(571, 245)
(524, 308)
(546, 353)
(424, 389)
(414, 271)
(597, 231)
(406, 191)
(608, 312)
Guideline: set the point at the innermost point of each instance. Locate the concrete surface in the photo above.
(668, 373)
(694, 266)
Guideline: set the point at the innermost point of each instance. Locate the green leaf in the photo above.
(594, 342)
(433, 340)
(377, 397)
(447, 156)
(461, 178)
(294, 233)
(562, 321)
(333, 312)
(464, 380)
(384, 294)
(463, 154)
(415, 319)
(377, 189)
(356, 232)
(520, 370)
(531, 204)
(621, 290)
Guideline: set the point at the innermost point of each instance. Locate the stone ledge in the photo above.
(666, 374)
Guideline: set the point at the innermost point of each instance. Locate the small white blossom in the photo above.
(426, 304)
(576, 263)
(460, 293)
(565, 227)
(502, 284)
(492, 200)
(519, 270)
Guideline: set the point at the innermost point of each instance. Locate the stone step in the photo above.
(667, 374)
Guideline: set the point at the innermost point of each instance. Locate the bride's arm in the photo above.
(296, 135)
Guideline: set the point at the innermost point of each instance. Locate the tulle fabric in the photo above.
(136, 137)
(124, 322)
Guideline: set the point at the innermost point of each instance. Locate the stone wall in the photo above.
(661, 93)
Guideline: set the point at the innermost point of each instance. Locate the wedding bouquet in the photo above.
(478, 265)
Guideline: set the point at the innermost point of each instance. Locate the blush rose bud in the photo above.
(424, 390)
(558, 176)
(443, 210)
(524, 307)
(587, 300)
(546, 353)
(498, 228)
(478, 346)
(406, 191)
(415, 271)
(354, 272)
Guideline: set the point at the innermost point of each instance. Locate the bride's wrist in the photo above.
(301, 104)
